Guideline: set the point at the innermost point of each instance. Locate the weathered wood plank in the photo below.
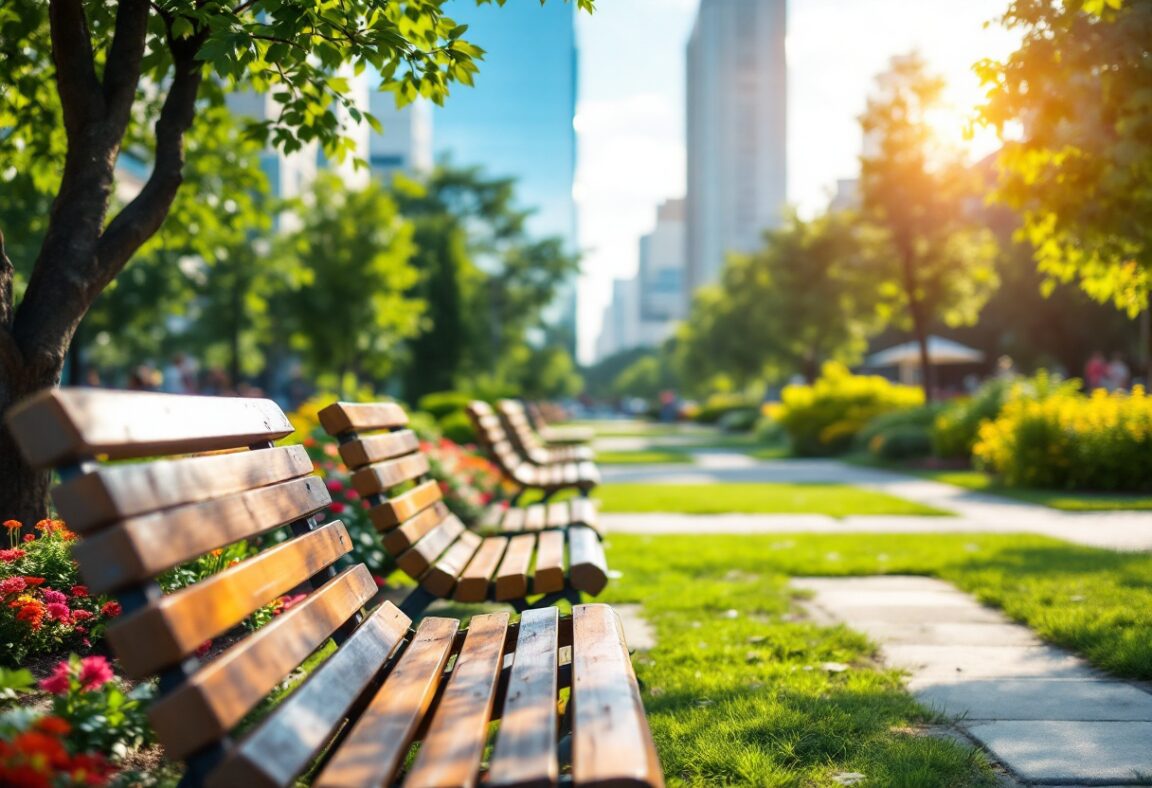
(417, 560)
(396, 510)
(165, 631)
(218, 696)
(611, 742)
(442, 577)
(383, 476)
(587, 566)
(536, 517)
(284, 745)
(548, 576)
(376, 448)
(142, 547)
(115, 492)
(477, 576)
(525, 750)
(451, 751)
(341, 417)
(62, 425)
(513, 520)
(512, 576)
(374, 751)
(412, 531)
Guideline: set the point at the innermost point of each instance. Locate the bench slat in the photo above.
(412, 531)
(492, 517)
(63, 425)
(476, 578)
(587, 566)
(375, 448)
(442, 577)
(513, 520)
(451, 751)
(382, 476)
(217, 697)
(375, 749)
(559, 514)
(549, 573)
(396, 510)
(536, 517)
(341, 417)
(512, 576)
(585, 512)
(115, 492)
(611, 743)
(416, 561)
(170, 628)
(143, 547)
(525, 750)
(284, 745)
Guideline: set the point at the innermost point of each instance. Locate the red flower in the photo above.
(33, 581)
(204, 648)
(12, 585)
(79, 591)
(380, 581)
(29, 538)
(336, 507)
(58, 611)
(13, 525)
(8, 556)
(335, 485)
(80, 615)
(33, 745)
(53, 726)
(111, 609)
(60, 680)
(95, 672)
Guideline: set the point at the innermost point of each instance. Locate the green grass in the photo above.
(1063, 500)
(771, 453)
(735, 688)
(836, 500)
(642, 457)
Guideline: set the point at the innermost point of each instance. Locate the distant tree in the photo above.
(599, 377)
(350, 305)
(1072, 106)
(929, 256)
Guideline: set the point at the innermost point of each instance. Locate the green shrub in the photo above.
(1060, 439)
(457, 427)
(443, 403)
(954, 431)
(823, 419)
(770, 432)
(718, 405)
(902, 442)
(424, 425)
(739, 420)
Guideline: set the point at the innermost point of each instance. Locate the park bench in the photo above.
(529, 444)
(519, 468)
(553, 435)
(539, 550)
(211, 477)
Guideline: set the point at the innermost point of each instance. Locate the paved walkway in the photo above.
(976, 512)
(1043, 713)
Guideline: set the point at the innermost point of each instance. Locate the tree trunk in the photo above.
(921, 332)
(24, 492)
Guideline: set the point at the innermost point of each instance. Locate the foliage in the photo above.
(44, 608)
(646, 377)
(787, 308)
(444, 403)
(457, 427)
(739, 420)
(955, 429)
(468, 481)
(929, 257)
(92, 723)
(823, 418)
(1067, 441)
(600, 378)
(1072, 106)
(900, 434)
(719, 405)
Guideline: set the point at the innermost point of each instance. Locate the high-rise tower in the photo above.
(736, 130)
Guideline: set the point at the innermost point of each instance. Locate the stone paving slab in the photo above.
(1035, 699)
(1046, 715)
(1058, 752)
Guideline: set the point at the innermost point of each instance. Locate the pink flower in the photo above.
(12, 585)
(351, 494)
(336, 507)
(58, 611)
(8, 556)
(335, 485)
(81, 615)
(60, 680)
(54, 597)
(95, 672)
(79, 591)
(29, 537)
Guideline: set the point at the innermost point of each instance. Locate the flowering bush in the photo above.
(468, 481)
(1068, 441)
(44, 609)
(89, 725)
(823, 418)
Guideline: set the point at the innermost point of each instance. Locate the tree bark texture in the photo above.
(82, 252)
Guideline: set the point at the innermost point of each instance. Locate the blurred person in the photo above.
(180, 375)
(1095, 371)
(1118, 375)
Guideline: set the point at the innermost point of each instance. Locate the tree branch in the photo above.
(122, 72)
(142, 217)
(7, 275)
(80, 96)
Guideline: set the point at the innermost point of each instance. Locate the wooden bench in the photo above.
(519, 468)
(384, 688)
(540, 551)
(529, 444)
(553, 435)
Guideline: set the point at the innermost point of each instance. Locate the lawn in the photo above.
(1063, 500)
(835, 500)
(642, 457)
(740, 690)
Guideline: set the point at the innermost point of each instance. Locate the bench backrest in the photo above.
(520, 430)
(494, 438)
(138, 520)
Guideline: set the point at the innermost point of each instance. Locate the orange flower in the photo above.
(54, 726)
(13, 525)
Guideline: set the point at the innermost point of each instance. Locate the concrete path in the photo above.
(975, 512)
(1043, 713)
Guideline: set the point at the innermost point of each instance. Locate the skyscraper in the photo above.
(736, 130)
(517, 119)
